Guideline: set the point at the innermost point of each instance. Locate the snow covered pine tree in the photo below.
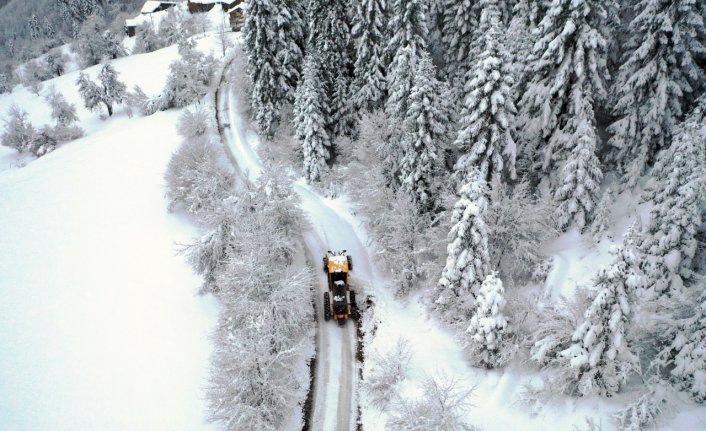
(310, 121)
(687, 353)
(484, 137)
(370, 27)
(657, 77)
(426, 133)
(569, 73)
(273, 33)
(330, 38)
(460, 18)
(678, 193)
(600, 356)
(468, 260)
(488, 323)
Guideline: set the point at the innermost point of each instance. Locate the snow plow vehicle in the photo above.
(339, 301)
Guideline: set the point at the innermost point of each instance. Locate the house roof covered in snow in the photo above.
(134, 22)
(152, 6)
(234, 8)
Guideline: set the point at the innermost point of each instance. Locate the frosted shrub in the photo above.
(197, 178)
(5, 84)
(520, 310)
(193, 24)
(33, 73)
(194, 122)
(137, 99)
(541, 270)
(64, 133)
(266, 321)
(94, 44)
(266, 214)
(63, 112)
(443, 406)
(146, 39)
(518, 222)
(56, 62)
(643, 412)
(18, 132)
(170, 27)
(258, 343)
(554, 325)
(108, 92)
(208, 253)
(281, 205)
(385, 372)
(410, 243)
(189, 78)
(43, 142)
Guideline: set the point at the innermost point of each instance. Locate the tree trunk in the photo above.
(110, 109)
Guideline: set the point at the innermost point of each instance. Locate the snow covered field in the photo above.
(100, 326)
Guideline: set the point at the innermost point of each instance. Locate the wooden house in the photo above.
(197, 6)
(236, 16)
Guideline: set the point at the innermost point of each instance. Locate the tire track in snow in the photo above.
(334, 397)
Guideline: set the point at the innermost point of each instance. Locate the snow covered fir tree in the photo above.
(509, 197)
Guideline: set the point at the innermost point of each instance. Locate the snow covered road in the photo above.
(335, 392)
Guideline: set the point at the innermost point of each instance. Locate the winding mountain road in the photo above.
(335, 389)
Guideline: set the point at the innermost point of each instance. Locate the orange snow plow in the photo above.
(339, 301)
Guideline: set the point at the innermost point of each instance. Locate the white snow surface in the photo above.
(100, 325)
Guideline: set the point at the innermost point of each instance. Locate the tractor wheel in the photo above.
(325, 265)
(327, 307)
(354, 306)
(350, 262)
